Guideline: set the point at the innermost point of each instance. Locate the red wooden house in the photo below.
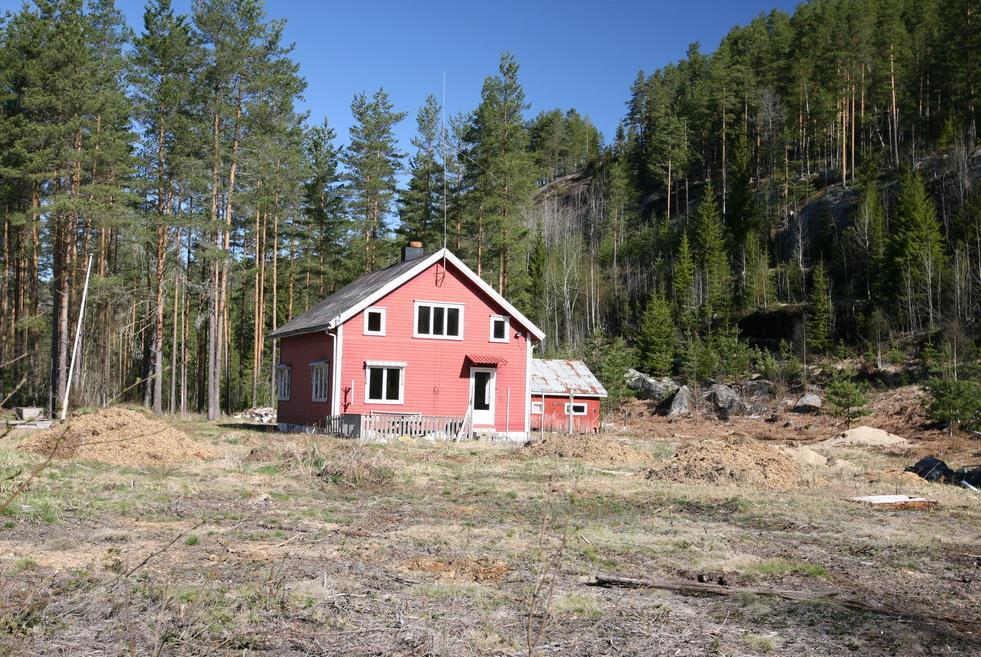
(422, 348)
(565, 397)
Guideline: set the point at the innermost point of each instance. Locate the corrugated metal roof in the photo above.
(318, 317)
(564, 377)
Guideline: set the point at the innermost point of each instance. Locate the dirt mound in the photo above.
(864, 437)
(475, 569)
(119, 436)
(597, 449)
(741, 461)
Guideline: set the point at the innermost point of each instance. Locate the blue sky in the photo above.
(572, 54)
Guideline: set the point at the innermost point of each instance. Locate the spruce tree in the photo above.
(325, 224)
(819, 311)
(373, 160)
(657, 337)
(712, 260)
(683, 283)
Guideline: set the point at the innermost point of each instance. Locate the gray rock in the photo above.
(650, 388)
(725, 400)
(682, 402)
(758, 388)
(808, 403)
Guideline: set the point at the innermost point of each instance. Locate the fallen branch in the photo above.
(833, 597)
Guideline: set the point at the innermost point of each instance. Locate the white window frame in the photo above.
(319, 368)
(384, 366)
(384, 320)
(432, 305)
(585, 408)
(284, 377)
(537, 408)
(507, 328)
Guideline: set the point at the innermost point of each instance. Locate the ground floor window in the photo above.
(385, 383)
(283, 382)
(575, 409)
(319, 381)
(537, 408)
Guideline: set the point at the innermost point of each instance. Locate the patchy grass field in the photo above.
(311, 546)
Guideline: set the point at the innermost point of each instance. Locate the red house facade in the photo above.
(424, 338)
(565, 397)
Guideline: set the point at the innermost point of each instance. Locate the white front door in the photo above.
(482, 393)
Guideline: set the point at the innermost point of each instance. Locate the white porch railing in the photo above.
(387, 426)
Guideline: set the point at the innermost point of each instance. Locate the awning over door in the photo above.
(486, 359)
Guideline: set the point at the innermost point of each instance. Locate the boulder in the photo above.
(650, 388)
(758, 388)
(725, 400)
(681, 403)
(808, 403)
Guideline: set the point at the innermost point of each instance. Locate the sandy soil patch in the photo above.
(740, 461)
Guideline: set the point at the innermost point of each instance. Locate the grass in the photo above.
(783, 567)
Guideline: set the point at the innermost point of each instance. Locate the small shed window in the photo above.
(499, 329)
(575, 409)
(384, 382)
(283, 382)
(318, 384)
(537, 408)
(374, 321)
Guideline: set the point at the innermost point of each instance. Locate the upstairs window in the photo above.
(575, 409)
(499, 329)
(374, 321)
(384, 382)
(318, 383)
(439, 320)
(283, 382)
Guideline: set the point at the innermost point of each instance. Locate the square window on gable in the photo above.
(374, 321)
(499, 326)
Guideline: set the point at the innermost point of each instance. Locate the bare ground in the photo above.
(297, 546)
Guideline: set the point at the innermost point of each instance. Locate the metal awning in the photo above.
(486, 359)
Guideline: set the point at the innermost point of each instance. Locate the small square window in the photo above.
(537, 408)
(499, 329)
(384, 382)
(374, 321)
(576, 409)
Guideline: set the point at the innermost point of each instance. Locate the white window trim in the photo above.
(315, 366)
(283, 370)
(384, 320)
(385, 366)
(585, 408)
(431, 304)
(507, 328)
(537, 408)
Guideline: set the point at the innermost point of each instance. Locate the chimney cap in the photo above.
(416, 244)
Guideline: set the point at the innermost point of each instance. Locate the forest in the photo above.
(808, 189)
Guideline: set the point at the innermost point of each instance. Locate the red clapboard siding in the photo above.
(437, 376)
(555, 418)
(298, 352)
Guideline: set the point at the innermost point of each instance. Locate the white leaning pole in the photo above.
(78, 335)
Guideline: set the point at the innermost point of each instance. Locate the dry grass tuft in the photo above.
(357, 466)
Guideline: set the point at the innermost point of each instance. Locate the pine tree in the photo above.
(501, 173)
(421, 204)
(657, 337)
(373, 161)
(166, 58)
(819, 311)
(325, 224)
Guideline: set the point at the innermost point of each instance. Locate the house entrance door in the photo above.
(482, 394)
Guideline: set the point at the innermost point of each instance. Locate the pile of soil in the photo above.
(119, 436)
(864, 437)
(740, 461)
(475, 569)
(595, 449)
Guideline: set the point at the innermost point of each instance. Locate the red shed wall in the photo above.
(556, 420)
(298, 351)
(437, 376)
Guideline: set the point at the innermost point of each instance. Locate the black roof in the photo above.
(319, 316)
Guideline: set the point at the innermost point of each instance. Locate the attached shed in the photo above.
(565, 396)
